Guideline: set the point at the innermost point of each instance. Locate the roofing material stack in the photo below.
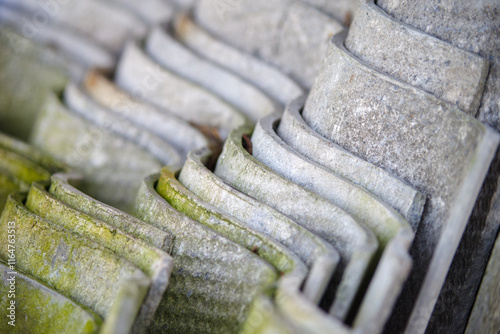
(387, 113)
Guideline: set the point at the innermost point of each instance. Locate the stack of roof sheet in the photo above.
(182, 178)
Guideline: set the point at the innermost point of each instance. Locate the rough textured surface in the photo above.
(61, 187)
(485, 316)
(147, 81)
(156, 264)
(392, 118)
(9, 184)
(305, 317)
(317, 254)
(109, 25)
(73, 266)
(287, 33)
(185, 4)
(264, 76)
(366, 209)
(40, 309)
(125, 309)
(289, 312)
(67, 42)
(150, 11)
(21, 164)
(354, 241)
(292, 270)
(79, 103)
(447, 21)
(112, 166)
(171, 54)
(455, 75)
(171, 128)
(472, 26)
(489, 112)
(389, 123)
(33, 74)
(469, 25)
(214, 279)
(295, 132)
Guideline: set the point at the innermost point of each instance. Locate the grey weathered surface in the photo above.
(12, 181)
(375, 308)
(287, 33)
(41, 246)
(424, 61)
(263, 317)
(8, 185)
(40, 309)
(62, 187)
(365, 208)
(171, 54)
(280, 257)
(21, 167)
(485, 316)
(125, 308)
(112, 166)
(70, 43)
(386, 284)
(354, 241)
(294, 131)
(162, 123)
(81, 104)
(264, 76)
(317, 254)
(156, 264)
(101, 21)
(147, 81)
(285, 287)
(290, 312)
(389, 123)
(470, 25)
(214, 279)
